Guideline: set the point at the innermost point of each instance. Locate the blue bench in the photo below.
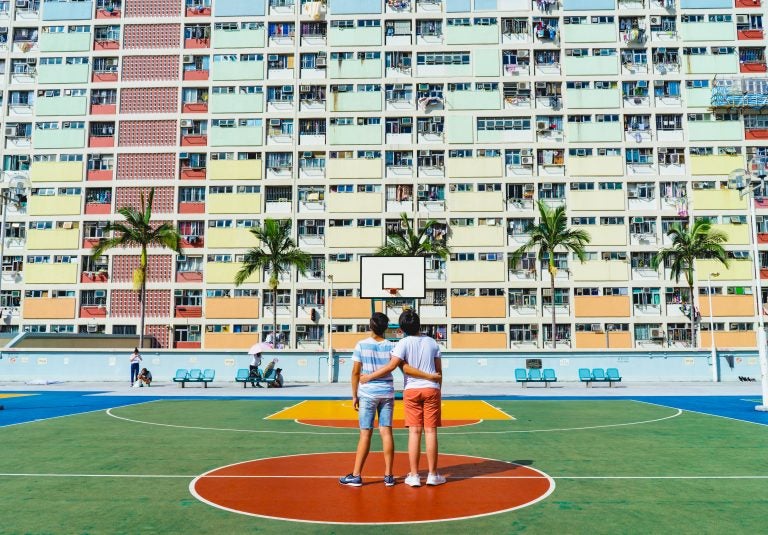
(598, 375)
(535, 375)
(195, 375)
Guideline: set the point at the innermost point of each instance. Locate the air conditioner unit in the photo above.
(742, 19)
(422, 188)
(638, 220)
(398, 87)
(424, 153)
(183, 155)
(596, 328)
(423, 87)
(320, 61)
(655, 21)
(343, 257)
(528, 188)
(301, 328)
(522, 53)
(642, 83)
(658, 83)
(698, 185)
(31, 61)
(67, 92)
(287, 89)
(23, 158)
(273, 57)
(275, 122)
(309, 223)
(546, 186)
(657, 334)
(10, 130)
(194, 328)
(185, 123)
(307, 155)
(437, 120)
(525, 152)
(491, 222)
(189, 59)
(526, 160)
(542, 125)
(631, 194)
(305, 88)
(92, 328)
(523, 85)
(541, 85)
(452, 187)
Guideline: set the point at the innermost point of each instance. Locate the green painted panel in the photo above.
(237, 70)
(65, 42)
(61, 106)
(698, 97)
(591, 65)
(236, 103)
(487, 62)
(593, 98)
(59, 139)
(236, 137)
(589, 132)
(589, 33)
(62, 74)
(472, 35)
(354, 37)
(239, 38)
(354, 68)
(715, 131)
(707, 31)
(459, 128)
(473, 100)
(359, 101)
(354, 134)
(716, 64)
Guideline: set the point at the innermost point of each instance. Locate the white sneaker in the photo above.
(435, 479)
(413, 480)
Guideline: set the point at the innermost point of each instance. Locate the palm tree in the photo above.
(409, 243)
(277, 253)
(137, 230)
(550, 234)
(700, 241)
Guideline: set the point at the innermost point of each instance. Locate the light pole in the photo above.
(712, 327)
(330, 330)
(740, 179)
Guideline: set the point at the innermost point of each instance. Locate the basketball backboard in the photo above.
(392, 277)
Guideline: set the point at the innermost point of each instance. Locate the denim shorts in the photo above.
(370, 407)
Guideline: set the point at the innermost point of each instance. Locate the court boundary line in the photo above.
(703, 413)
(393, 428)
(38, 420)
(550, 490)
(442, 432)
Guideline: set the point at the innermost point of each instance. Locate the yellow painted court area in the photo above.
(343, 410)
(14, 395)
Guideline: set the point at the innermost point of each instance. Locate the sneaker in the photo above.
(351, 480)
(413, 480)
(435, 479)
(389, 481)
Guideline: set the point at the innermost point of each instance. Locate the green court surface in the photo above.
(620, 466)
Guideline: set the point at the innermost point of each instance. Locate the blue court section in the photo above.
(33, 406)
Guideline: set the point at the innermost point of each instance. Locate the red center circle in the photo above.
(305, 488)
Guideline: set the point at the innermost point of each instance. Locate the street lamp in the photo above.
(330, 331)
(741, 180)
(712, 327)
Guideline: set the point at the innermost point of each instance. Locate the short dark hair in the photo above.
(379, 323)
(410, 323)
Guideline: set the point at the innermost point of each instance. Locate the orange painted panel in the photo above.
(352, 307)
(597, 306)
(756, 133)
(730, 339)
(478, 340)
(101, 141)
(478, 307)
(230, 340)
(347, 340)
(727, 305)
(232, 307)
(99, 174)
(49, 308)
(104, 77)
(618, 340)
(195, 75)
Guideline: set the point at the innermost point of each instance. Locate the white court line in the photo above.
(442, 432)
(703, 413)
(500, 410)
(38, 420)
(284, 409)
(334, 477)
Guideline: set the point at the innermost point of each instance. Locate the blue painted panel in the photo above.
(67, 10)
(705, 4)
(458, 6)
(585, 5)
(486, 5)
(355, 7)
(235, 8)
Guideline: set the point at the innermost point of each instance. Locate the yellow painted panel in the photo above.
(596, 166)
(737, 270)
(728, 306)
(600, 270)
(54, 204)
(597, 200)
(224, 273)
(56, 239)
(476, 201)
(715, 164)
(232, 307)
(478, 307)
(478, 341)
(234, 170)
(730, 339)
(737, 234)
(354, 202)
(475, 167)
(234, 203)
(227, 238)
(56, 172)
(345, 237)
(343, 271)
(605, 234)
(49, 308)
(718, 199)
(596, 306)
(50, 273)
(618, 340)
(476, 271)
(350, 168)
(347, 340)
(229, 340)
(353, 307)
(477, 236)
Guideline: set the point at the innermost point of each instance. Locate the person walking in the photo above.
(135, 360)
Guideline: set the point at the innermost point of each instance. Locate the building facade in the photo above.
(340, 115)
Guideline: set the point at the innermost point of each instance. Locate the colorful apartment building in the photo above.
(341, 114)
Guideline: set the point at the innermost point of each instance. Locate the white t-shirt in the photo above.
(256, 360)
(419, 352)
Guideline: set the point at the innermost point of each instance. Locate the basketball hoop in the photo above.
(392, 291)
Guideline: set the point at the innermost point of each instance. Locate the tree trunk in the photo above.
(274, 316)
(143, 298)
(693, 316)
(554, 313)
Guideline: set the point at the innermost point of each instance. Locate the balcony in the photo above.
(93, 311)
(183, 311)
(93, 277)
(62, 105)
(65, 42)
(66, 10)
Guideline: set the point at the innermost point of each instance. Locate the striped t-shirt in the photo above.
(374, 354)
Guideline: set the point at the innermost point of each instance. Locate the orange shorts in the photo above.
(422, 407)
